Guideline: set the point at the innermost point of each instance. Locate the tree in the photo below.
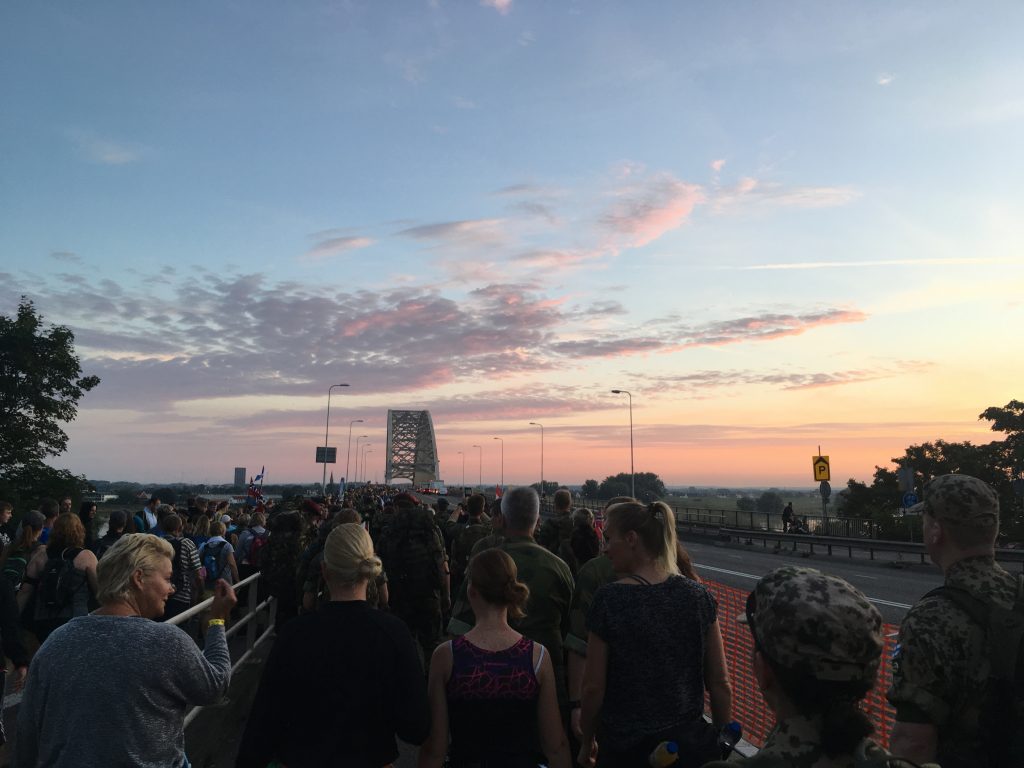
(591, 489)
(770, 503)
(41, 383)
(746, 504)
(649, 486)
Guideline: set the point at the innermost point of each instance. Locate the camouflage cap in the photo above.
(959, 499)
(815, 624)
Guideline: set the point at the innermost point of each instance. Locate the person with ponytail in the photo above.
(817, 647)
(653, 648)
(341, 683)
(492, 690)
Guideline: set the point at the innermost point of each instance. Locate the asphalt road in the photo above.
(892, 585)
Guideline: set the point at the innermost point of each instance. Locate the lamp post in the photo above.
(463, 455)
(502, 463)
(327, 429)
(348, 453)
(363, 475)
(536, 424)
(357, 454)
(480, 467)
(632, 472)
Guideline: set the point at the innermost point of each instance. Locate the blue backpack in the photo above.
(212, 562)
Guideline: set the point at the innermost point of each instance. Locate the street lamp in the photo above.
(480, 468)
(357, 454)
(327, 429)
(632, 472)
(502, 463)
(536, 424)
(363, 475)
(348, 453)
(463, 455)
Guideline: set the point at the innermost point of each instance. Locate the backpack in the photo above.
(259, 540)
(212, 562)
(1004, 633)
(412, 548)
(58, 583)
(462, 548)
(14, 566)
(177, 572)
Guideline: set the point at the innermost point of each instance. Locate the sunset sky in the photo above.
(778, 225)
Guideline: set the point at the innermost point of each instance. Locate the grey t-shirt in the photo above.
(112, 691)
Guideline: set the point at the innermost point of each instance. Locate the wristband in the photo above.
(215, 623)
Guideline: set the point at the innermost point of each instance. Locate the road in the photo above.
(893, 586)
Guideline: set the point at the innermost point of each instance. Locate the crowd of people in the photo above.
(488, 637)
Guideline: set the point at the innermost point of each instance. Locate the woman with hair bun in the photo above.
(355, 668)
(493, 690)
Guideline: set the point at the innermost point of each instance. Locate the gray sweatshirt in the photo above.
(112, 691)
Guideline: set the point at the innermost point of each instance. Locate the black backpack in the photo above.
(1004, 633)
(59, 581)
(17, 561)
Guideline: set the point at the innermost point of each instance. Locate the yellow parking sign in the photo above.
(821, 469)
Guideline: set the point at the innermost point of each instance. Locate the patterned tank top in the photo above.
(488, 687)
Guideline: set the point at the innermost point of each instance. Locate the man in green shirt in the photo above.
(548, 577)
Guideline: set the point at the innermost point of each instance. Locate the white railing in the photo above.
(255, 608)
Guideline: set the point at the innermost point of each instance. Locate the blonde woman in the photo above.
(643, 687)
(353, 666)
(141, 675)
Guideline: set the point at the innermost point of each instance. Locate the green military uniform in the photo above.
(555, 530)
(463, 546)
(592, 576)
(547, 611)
(941, 665)
(794, 743)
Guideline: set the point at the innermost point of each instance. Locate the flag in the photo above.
(259, 476)
(497, 491)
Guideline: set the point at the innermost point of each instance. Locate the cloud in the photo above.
(749, 191)
(104, 151)
(647, 210)
(718, 165)
(537, 210)
(709, 383)
(66, 256)
(469, 232)
(335, 246)
(884, 78)
(526, 39)
(501, 6)
(461, 102)
(932, 262)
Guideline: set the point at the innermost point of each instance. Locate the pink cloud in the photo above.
(647, 211)
(501, 6)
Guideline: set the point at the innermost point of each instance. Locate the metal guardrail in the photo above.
(850, 544)
(248, 621)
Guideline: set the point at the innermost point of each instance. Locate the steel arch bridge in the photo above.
(412, 448)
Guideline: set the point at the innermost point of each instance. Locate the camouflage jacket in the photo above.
(554, 531)
(941, 665)
(592, 576)
(794, 743)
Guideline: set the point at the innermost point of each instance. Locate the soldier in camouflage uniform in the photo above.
(941, 665)
(412, 550)
(548, 577)
(818, 644)
(558, 527)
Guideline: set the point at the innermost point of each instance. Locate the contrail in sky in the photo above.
(876, 263)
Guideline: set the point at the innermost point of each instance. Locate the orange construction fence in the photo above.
(747, 704)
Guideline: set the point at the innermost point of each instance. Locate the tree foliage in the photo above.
(770, 503)
(746, 504)
(649, 486)
(591, 489)
(41, 383)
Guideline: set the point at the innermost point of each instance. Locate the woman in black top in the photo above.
(354, 668)
(653, 648)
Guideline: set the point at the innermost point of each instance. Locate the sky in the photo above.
(778, 225)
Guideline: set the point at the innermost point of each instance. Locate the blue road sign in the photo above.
(909, 499)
